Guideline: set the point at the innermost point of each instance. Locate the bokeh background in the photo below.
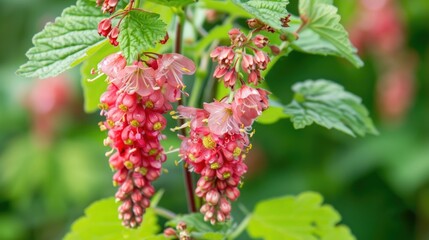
(52, 162)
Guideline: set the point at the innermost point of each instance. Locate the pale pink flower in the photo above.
(171, 68)
(230, 78)
(223, 55)
(112, 65)
(196, 115)
(238, 39)
(247, 63)
(248, 104)
(260, 41)
(261, 59)
(136, 78)
(221, 118)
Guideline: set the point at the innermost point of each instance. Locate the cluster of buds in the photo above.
(181, 232)
(107, 5)
(137, 97)
(216, 146)
(231, 58)
(105, 29)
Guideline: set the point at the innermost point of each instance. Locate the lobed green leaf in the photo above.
(329, 105)
(293, 218)
(140, 31)
(323, 33)
(64, 43)
(173, 3)
(101, 222)
(268, 11)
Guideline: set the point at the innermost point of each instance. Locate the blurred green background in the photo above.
(52, 162)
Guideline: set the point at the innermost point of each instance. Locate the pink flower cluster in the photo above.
(215, 148)
(105, 29)
(107, 5)
(137, 97)
(230, 58)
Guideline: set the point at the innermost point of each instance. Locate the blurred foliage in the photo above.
(379, 184)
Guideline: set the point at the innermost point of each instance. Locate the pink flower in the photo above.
(108, 5)
(172, 66)
(197, 116)
(248, 104)
(112, 65)
(238, 39)
(230, 78)
(113, 36)
(247, 63)
(223, 55)
(221, 118)
(136, 79)
(260, 41)
(261, 59)
(104, 27)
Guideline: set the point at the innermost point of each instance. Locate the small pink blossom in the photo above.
(108, 5)
(248, 104)
(112, 65)
(260, 41)
(261, 59)
(223, 55)
(172, 66)
(221, 118)
(104, 27)
(230, 78)
(238, 39)
(113, 36)
(136, 78)
(196, 115)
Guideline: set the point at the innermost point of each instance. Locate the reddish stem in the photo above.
(188, 176)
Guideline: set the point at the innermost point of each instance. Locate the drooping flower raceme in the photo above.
(219, 133)
(137, 97)
(216, 155)
(216, 145)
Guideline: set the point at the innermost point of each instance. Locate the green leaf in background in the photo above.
(140, 31)
(224, 7)
(173, 3)
(274, 113)
(101, 222)
(296, 218)
(323, 32)
(64, 43)
(218, 32)
(200, 229)
(268, 11)
(92, 90)
(329, 105)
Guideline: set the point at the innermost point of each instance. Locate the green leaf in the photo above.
(101, 222)
(323, 32)
(92, 90)
(218, 32)
(268, 11)
(296, 218)
(273, 114)
(200, 229)
(65, 42)
(156, 237)
(225, 7)
(173, 3)
(329, 105)
(140, 31)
